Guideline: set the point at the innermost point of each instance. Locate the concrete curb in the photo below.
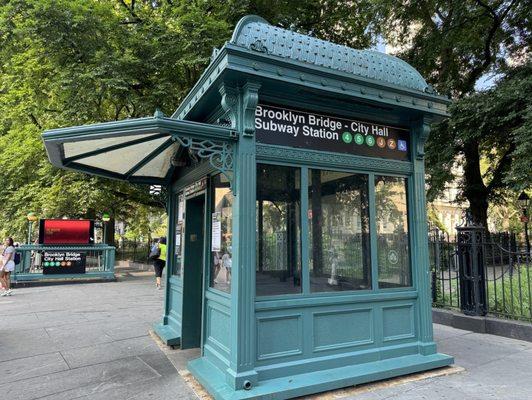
(54, 282)
(494, 326)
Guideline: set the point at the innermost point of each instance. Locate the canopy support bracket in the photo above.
(219, 154)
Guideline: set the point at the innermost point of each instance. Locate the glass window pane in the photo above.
(338, 224)
(391, 215)
(278, 269)
(221, 234)
(180, 208)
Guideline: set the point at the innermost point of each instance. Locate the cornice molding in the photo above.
(327, 159)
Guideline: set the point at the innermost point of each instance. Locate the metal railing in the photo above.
(99, 261)
(132, 250)
(481, 273)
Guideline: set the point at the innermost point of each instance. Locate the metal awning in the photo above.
(142, 150)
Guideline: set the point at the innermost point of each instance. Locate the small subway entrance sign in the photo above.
(287, 127)
(63, 262)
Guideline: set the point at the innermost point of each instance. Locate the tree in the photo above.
(454, 44)
(499, 121)
(73, 62)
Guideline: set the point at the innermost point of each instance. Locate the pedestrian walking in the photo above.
(159, 260)
(7, 266)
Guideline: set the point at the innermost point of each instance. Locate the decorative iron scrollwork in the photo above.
(219, 154)
(259, 46)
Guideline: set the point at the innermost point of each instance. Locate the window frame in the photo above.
(410, 232)
(209, 199)
(179, 257)
(304, 168)
(368, 177)
(304, 279)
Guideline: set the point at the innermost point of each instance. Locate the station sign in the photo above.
(196, 187)
(63, 262)
(294, 128)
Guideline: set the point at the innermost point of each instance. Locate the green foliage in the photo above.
(73, 62)
(453, 44)
(499, 121)
(512, 298)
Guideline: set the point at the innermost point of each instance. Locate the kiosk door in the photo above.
(193, 272)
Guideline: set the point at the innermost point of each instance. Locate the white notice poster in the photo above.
(178, 229)
(216, 231)
(181, 208)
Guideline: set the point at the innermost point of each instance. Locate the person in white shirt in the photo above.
(227, 264)
(7, 266)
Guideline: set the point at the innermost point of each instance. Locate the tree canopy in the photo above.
(454, 44)
(73, 62)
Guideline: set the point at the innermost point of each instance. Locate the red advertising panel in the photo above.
(66, 231)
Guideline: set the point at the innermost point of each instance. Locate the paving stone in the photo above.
(80, 335)
(470, 351)
(105, 352)
(81, 381)
(159, 363)
(129, 330)
(31, 367)
(447, 332)
(24, 343)
(180, 358)
(103, 335)
(19, 321)
(160, 389)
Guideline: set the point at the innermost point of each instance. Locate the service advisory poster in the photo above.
(294, 128)
(216, 231)
(64, 262)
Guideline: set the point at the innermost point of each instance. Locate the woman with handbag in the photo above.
(158, 255)
(7, 266)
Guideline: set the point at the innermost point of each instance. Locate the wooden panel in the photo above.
(279, 336)
(175, 302)
(218, 323)
(398, 322)
(341, 329)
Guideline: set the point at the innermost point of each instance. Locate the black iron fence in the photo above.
(481, 273)
(133, 250)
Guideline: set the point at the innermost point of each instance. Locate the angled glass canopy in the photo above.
(142, 150)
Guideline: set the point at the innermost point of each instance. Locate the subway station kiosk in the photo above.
(296, 202)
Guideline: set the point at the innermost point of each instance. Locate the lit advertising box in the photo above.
(66, 232)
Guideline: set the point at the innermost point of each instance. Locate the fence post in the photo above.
(471, 269)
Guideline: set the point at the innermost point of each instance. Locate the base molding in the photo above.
(291, 386)
(169, 336)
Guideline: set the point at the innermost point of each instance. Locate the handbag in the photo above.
(155, 252)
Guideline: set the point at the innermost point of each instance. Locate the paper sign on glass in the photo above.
(216, 231)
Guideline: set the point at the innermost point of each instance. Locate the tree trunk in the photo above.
(475, 191)
(110, 235)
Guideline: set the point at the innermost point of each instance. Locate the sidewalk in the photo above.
(90, 341)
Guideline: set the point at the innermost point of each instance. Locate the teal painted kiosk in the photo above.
(297, 239)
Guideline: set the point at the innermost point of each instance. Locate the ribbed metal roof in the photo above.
(255, 33)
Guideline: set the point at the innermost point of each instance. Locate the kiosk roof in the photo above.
(254, 31)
